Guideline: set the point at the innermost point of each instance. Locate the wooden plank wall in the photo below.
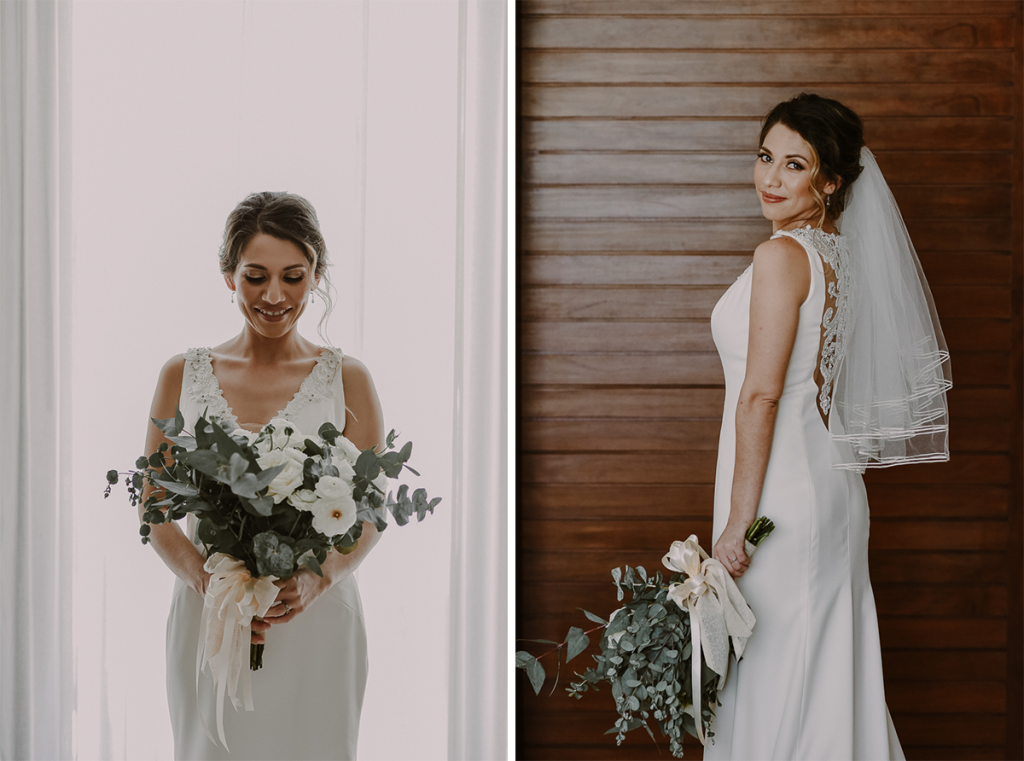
(636, 139)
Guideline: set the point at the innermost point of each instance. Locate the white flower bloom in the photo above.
(279, 439)
(346, 449)
(381, 482)
(289, 479)
(304, 499)
(331, 488)
(332, 517)
(345, 470)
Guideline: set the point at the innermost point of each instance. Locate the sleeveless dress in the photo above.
(810, 682)
(309, 693)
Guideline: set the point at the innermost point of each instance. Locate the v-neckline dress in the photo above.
(309, 693)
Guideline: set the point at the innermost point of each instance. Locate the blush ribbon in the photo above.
(233, 598)
(717, 611)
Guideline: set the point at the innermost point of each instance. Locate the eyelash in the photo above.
(793, 164)
(258, 280)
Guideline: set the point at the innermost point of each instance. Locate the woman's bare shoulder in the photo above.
(779, 249)
(168, 385)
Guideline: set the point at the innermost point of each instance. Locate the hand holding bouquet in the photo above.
(267, 503)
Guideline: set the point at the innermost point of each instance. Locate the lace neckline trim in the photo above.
(205, 388)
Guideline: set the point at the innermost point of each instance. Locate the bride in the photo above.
(309, 693)
(834, 362)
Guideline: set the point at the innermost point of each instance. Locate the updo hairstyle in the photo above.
(835, 134)
(282, 215)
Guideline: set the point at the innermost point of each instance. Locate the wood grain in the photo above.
(923, 133)
(717, 101)
(771, 66)
(770, 32)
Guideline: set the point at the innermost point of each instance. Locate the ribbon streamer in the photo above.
(233, 598)
(717, 611)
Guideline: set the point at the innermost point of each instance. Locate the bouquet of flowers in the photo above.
(267, 503)
(665, 653)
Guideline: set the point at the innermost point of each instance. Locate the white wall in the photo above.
(180, 110)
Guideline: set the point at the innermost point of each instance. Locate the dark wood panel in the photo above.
(615, 402)
(617, 269)
(618, 336)
(973, 8)
(929, 234)
(939, 666)
(925, 133)
(698, 369)
(769, 66)
(699, 467)
(770, 32)
(695, 335)
(596, 501)
(560, 598)
(602, 434)
(895, 535)
(704, 403)
(706, 168)
(660, 303)
(718, 202)
(941, 633)
(642, 303)
(737, 101)
(911, 567)
(905, 599)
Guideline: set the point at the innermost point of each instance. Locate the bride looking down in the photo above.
(309, 694)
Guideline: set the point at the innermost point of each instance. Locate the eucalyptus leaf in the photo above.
(273, 557)
(173, 486)
(576, 643)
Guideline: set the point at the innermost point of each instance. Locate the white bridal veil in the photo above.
(890, 394)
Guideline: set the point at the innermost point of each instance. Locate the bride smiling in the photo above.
(309, 694)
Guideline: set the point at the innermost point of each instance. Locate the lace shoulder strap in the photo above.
(201, 384)
(316, 386)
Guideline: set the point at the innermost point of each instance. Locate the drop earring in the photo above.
(232, 297)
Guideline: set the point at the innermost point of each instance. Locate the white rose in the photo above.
(304, 499)
(345, 470)
(331, 488)
(332, 517)
(279, 439)
(289, 479)
(347, 449)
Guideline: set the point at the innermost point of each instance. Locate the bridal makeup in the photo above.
(782, 178)
(271, 283)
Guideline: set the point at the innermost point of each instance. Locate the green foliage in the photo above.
(217, 477)
(645, 659)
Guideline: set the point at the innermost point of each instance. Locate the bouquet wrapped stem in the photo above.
(267, 504)
(652, 653)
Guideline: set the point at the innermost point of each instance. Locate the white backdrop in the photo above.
(180, 110)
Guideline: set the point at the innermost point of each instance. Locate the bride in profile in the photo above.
(834, 362)
(309, 694)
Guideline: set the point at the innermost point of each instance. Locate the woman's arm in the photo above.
(364, 427)
(781, 280)
(168, 539)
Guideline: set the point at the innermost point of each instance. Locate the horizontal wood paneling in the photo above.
(667, 167)
(715, 202)
(766, 32)
(576, 8)
(922, 133)
(704, 402)
(696, 101)
(638, 122)
(929, 234)
(829, 66)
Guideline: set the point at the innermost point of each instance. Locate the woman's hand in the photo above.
(730, 551)
(294, 596)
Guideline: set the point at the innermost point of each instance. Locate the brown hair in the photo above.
(835, 135)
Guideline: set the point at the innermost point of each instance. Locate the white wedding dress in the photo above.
(810, 682)
(309, 693)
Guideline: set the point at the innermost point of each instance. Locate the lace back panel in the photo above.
(835, 316)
